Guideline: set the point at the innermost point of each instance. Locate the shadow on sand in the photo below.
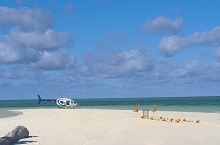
(23, 141)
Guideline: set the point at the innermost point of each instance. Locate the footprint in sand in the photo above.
(89, 131)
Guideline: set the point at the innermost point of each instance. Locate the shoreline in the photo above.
(112, 127)
(181, 104)
(102, 108)
(18, 111)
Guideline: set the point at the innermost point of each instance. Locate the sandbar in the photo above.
(113, 127)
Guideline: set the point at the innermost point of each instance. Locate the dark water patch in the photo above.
(6, 113)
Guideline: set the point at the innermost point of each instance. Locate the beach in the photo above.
(112, 127)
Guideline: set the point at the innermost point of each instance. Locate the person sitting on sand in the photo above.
(137, 107)
(154, 109)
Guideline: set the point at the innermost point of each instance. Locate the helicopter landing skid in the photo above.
(65, 107)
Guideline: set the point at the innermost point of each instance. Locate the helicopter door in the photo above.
(67, 103)
(72, 103)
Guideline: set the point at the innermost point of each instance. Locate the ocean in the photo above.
(209, 104)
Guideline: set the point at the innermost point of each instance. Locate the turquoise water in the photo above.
(188, 104)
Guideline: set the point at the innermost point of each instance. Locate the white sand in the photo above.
(112, 127)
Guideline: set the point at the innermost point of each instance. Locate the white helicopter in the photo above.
(61, 102)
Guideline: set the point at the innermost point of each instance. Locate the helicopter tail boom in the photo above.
(48, 100)
(39, 99)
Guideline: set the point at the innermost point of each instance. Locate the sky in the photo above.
(109, 48)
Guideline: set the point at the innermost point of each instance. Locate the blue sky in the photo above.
(109, 48)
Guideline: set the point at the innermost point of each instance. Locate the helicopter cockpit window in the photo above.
(67, 102)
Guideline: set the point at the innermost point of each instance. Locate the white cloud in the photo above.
(54, 60)
(46, 40)
(116, 64)
(192, 69)
(113, 41)
(26, 18)
(9, 74)
(163, 25)
(32, 40)
(217, 55)
(169, 46)
(13, 52)
(185, 73)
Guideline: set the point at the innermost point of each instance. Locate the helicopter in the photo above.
(61, 102)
